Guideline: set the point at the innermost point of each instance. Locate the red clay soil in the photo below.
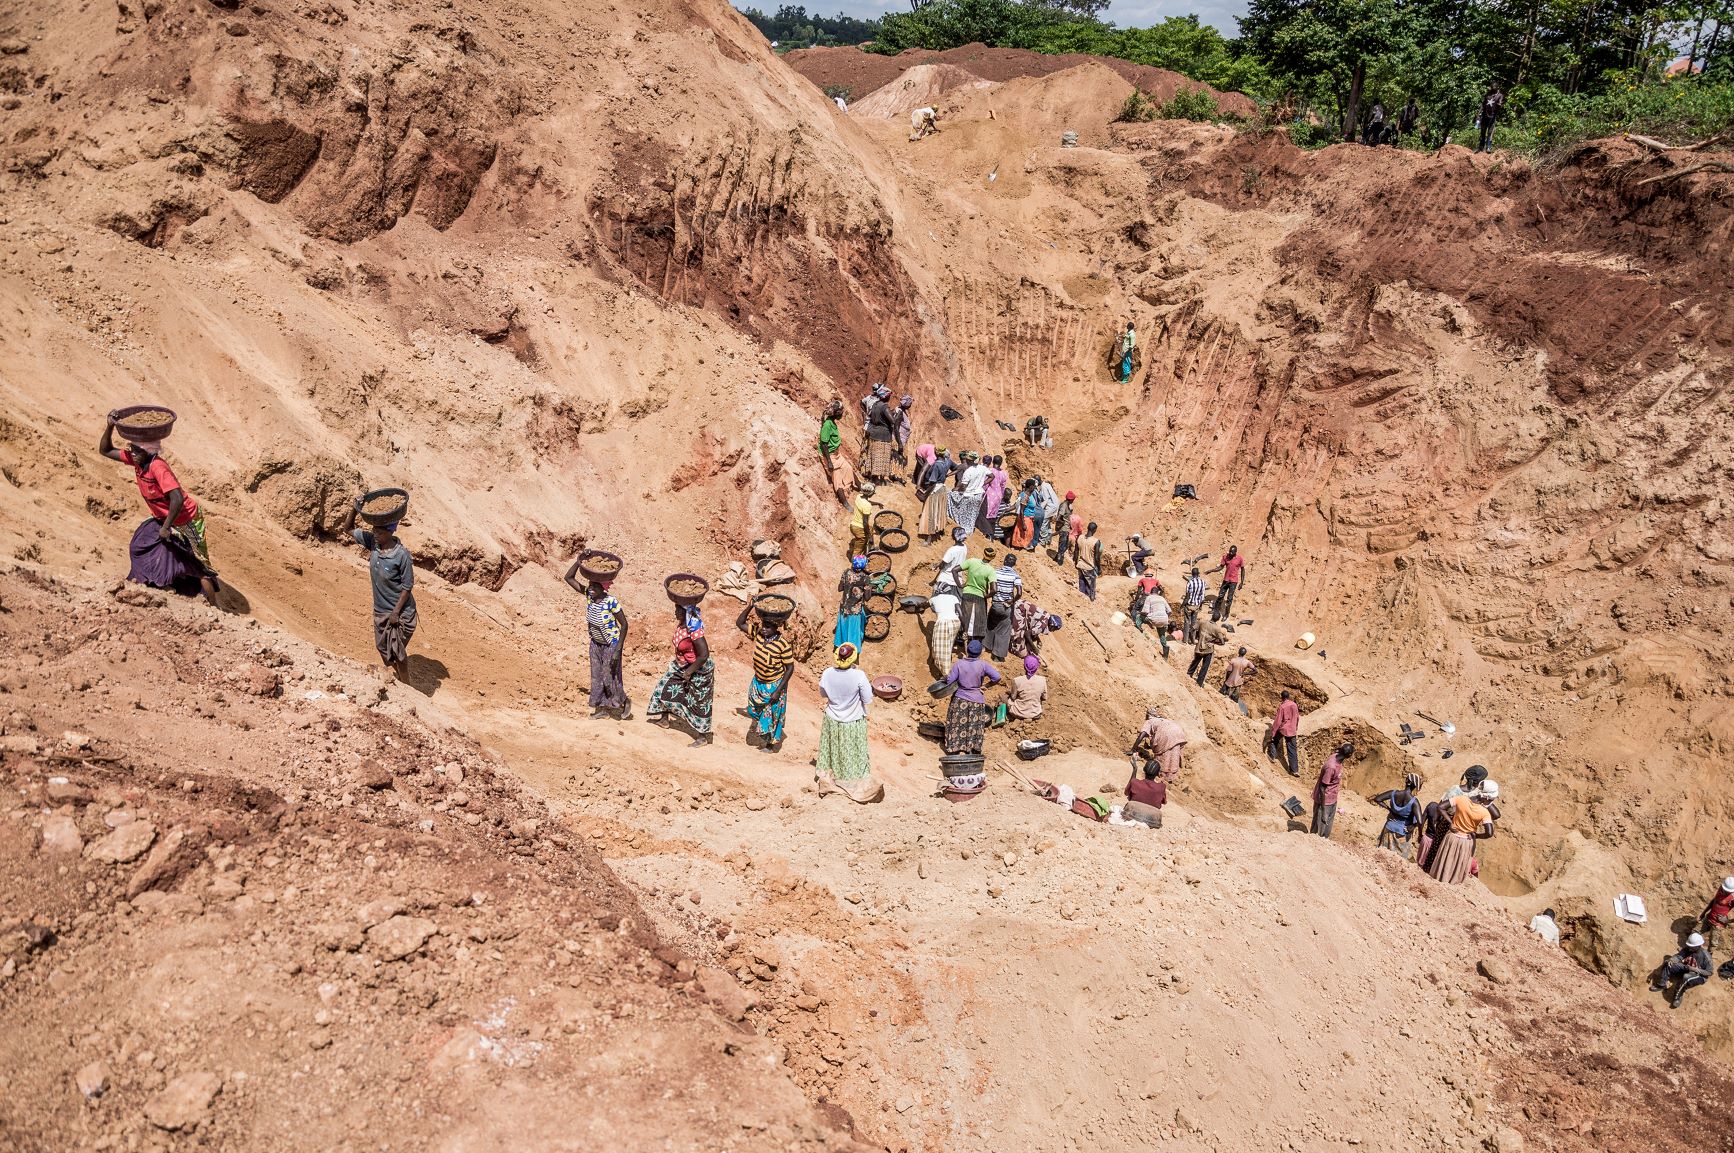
(863, 72)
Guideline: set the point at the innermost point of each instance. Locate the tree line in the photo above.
(1568, 68)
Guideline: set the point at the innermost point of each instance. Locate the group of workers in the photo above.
(975, 602)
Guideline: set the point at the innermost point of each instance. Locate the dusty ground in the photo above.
(1455, 411)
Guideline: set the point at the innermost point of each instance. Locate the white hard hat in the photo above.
(1695, 941)
(1489, 789)
(1728, 884)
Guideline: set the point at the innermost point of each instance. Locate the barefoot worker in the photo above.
(686, 693)
(180, 525)
(606, 621)
(843, 764)
(392, 572)
(773, 665)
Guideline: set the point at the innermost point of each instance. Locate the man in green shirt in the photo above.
(977, 576)
(830, 439)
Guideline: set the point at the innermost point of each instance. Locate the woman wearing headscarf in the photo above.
(1028, 692)
(686, 692)
(1454, 855)
(1028, 508)
(882, 422)
(1402, 816)
(966, 716)
(932, 492)
(993, 496)
(964, 503)
(843, 762)
(852, 590)
(1029, 625)
(773, 665)
(607, 624)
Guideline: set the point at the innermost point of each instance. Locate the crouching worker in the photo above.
(168, 550)
(1690, 967)
(1145, 796)
(391, 570)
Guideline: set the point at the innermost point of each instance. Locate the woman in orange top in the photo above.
(1470, 820)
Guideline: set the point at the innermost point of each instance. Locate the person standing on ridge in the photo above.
(1407, 119)
(1128, 345)
(1233, 570)
(606, 621)
(1327, 788)
(1491, 106)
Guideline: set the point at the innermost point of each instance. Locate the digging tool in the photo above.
(1097, 639)
(1193, 560)
(1445, 727)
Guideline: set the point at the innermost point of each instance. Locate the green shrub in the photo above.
(1191, 104)
(1137, 109)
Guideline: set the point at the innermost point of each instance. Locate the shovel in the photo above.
(1445, 727)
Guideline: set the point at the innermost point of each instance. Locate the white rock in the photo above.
(60, 835)
(127, 843)
(184, 1102)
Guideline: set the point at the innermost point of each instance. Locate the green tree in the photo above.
(1329, 47)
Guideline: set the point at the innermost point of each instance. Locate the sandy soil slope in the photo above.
(580, 275)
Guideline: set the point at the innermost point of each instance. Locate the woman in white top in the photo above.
(963, 504)
(842, 765)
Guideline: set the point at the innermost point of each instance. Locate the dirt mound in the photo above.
(356, 896)
(864, 73)
(917, 88)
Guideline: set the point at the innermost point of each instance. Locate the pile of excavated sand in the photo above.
(919, 87)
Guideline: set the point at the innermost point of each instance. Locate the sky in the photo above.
(1223, 14)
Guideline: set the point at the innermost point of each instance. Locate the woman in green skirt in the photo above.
(686, 691)
(842, 764)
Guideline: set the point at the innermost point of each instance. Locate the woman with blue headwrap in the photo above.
(686, 691)
(852, 604)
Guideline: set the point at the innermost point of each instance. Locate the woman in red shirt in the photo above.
(176, 512)
(687, 691)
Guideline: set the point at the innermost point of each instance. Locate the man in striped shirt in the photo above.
(1008, 586)
(1189, 606)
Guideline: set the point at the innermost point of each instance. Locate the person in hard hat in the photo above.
(1718, 911)
(923, 122)
(1690, 967)
(1470, 821)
